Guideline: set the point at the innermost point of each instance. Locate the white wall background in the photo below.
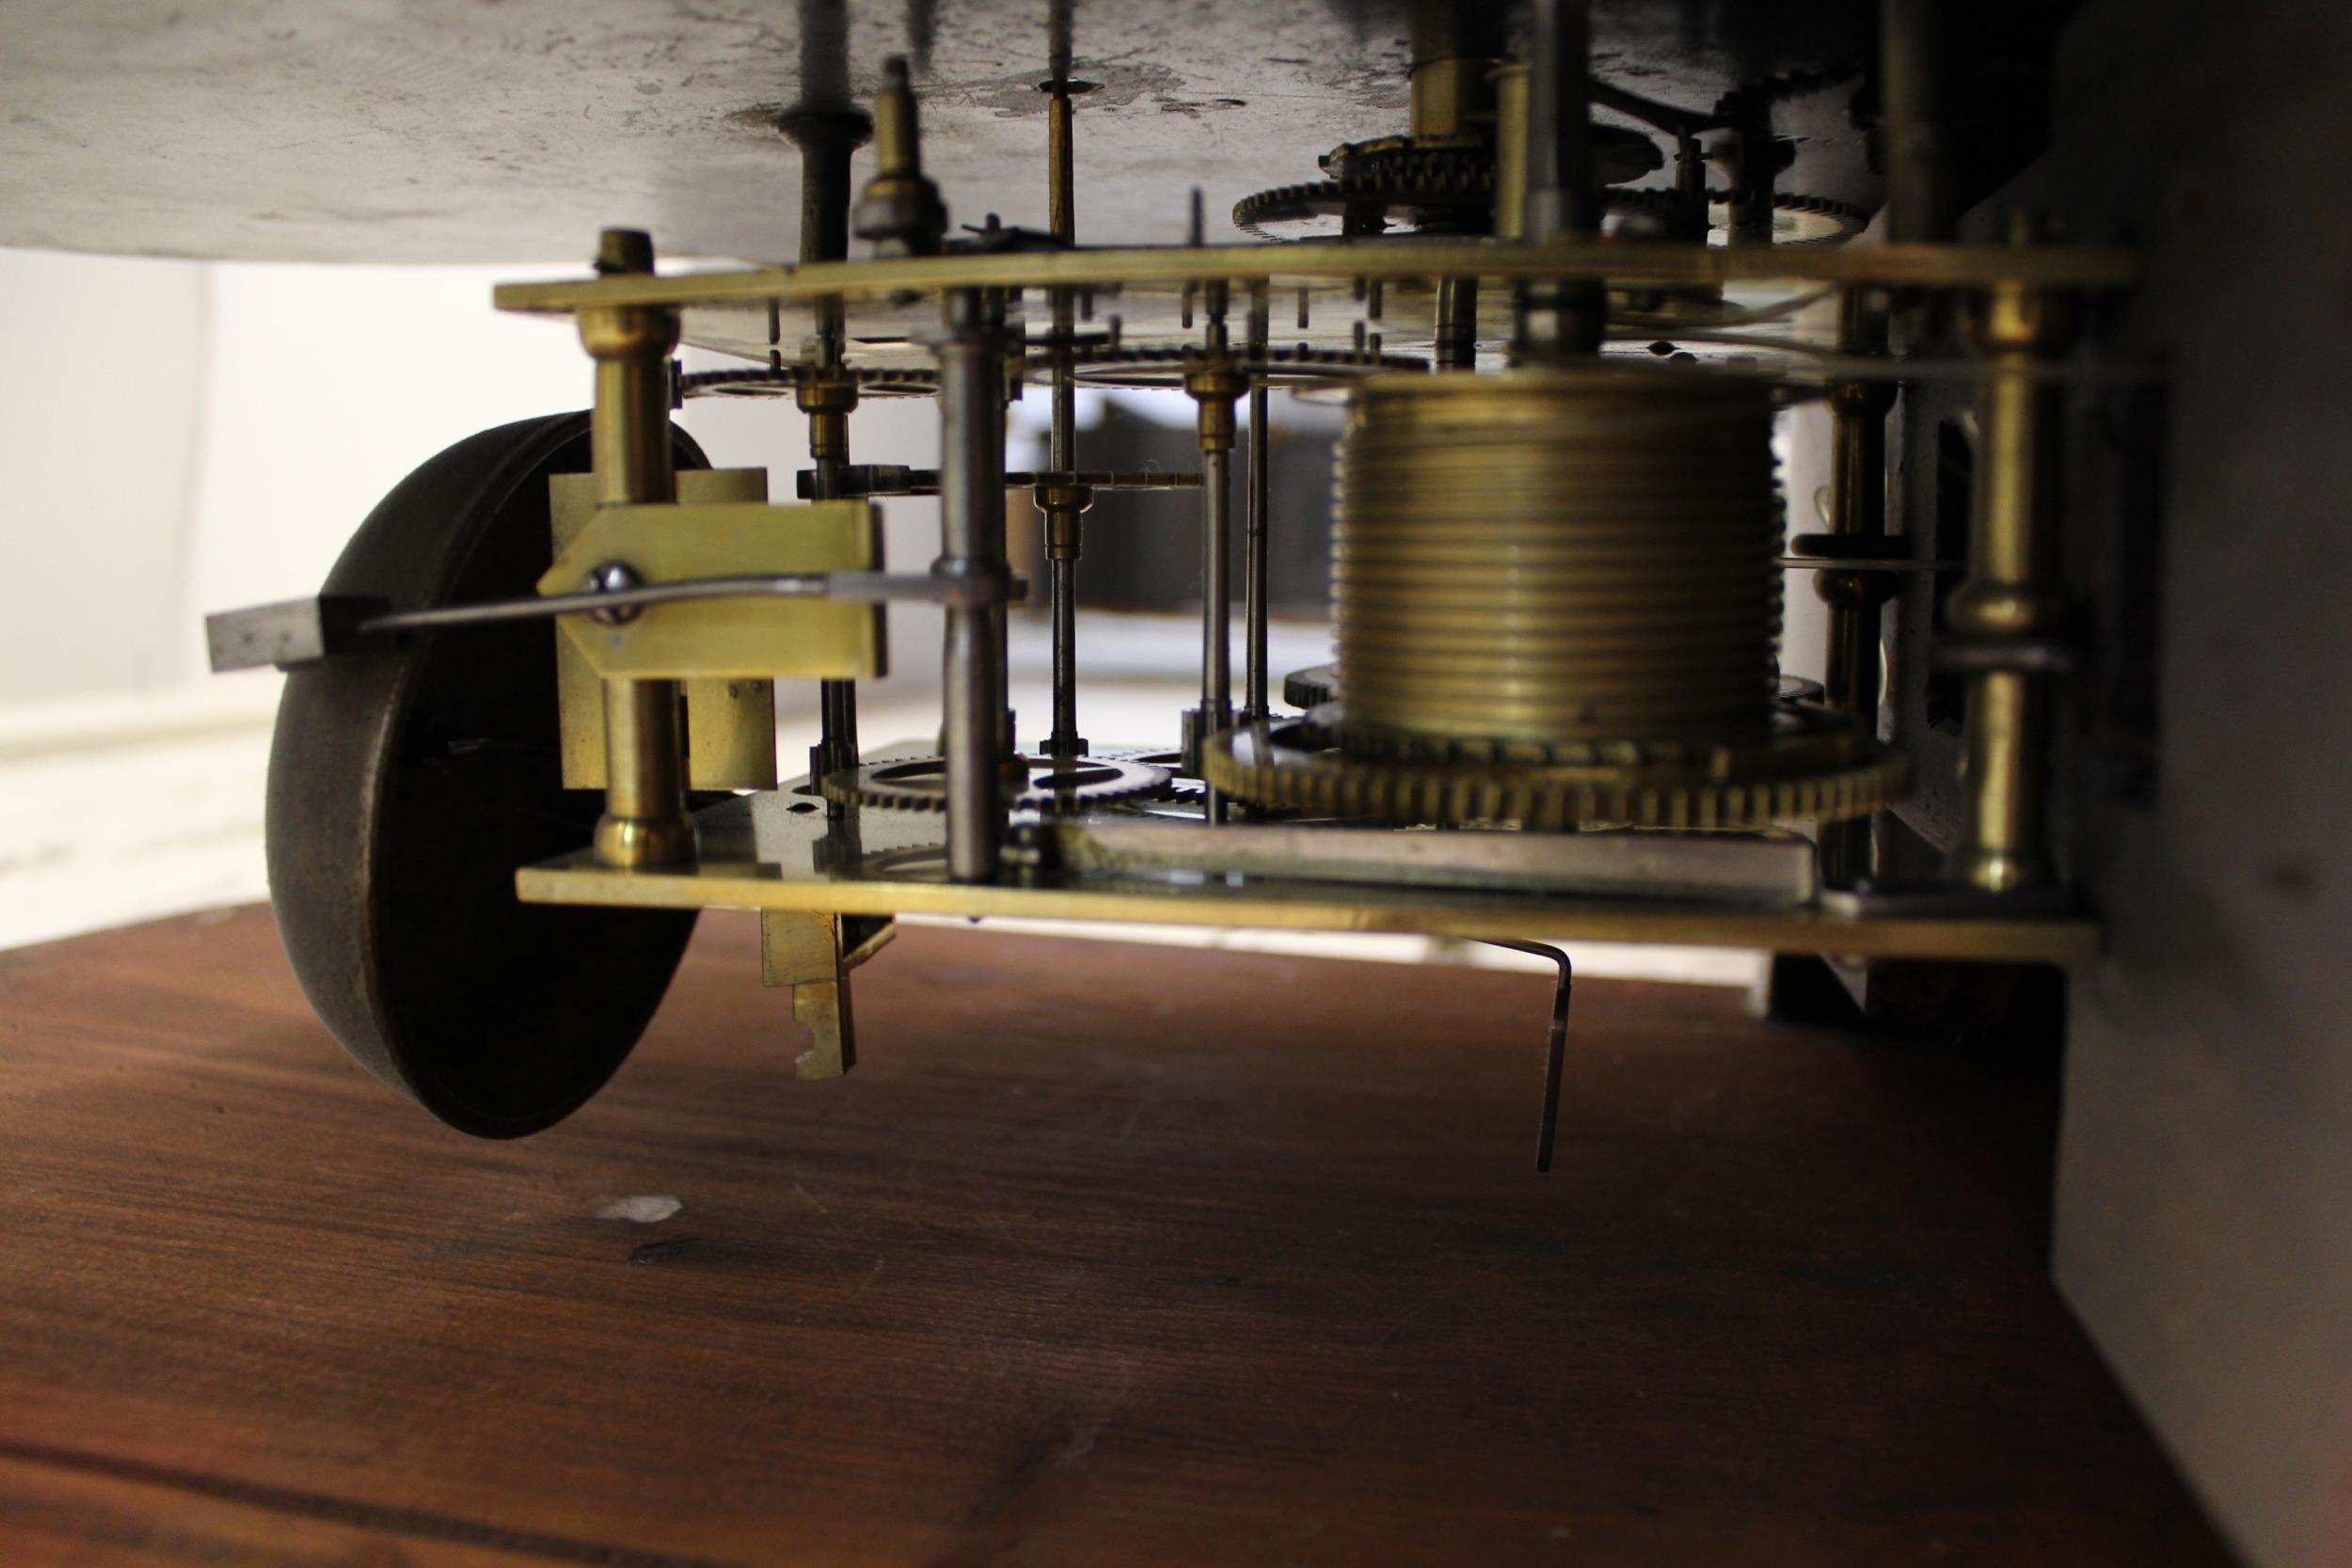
(98, 448)
(195, 436)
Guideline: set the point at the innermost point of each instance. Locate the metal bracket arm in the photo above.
(842, 587)
(859, 480)
(295, 632)
(292, 633)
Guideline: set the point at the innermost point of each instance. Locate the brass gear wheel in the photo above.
(1363, 202)
(1816, 765)
(1619, 153)
(1055, 785)
(1286, 212)
(765, 381)
(1147, 365)
(1319, 684)
(1313, 686)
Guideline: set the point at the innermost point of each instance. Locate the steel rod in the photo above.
(1256, 543)
(1217, 653)
(1912, 57)
(1850, 668)
(862, 479)
(1062, 585)
(853, 587)
(1562, 201)
(1457, 324)
(837, 700)
(1062, 531)
(1560, 194)
(1256, 562)
(971, 477)
(1555, 1044)
(826, 141)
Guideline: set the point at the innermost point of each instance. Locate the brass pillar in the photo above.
(1510, 90)
(2006, 616)
(644, 820)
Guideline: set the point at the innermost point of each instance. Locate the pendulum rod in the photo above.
(644, 821)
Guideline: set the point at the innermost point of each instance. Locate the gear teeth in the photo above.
(872, 785)
(1406, 791)
(1312, 687)
(1429, 183)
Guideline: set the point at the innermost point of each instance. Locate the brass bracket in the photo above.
(741, 638)
(730, 724)
(813, 952)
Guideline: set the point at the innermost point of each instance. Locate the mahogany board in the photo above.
(1107, 1253)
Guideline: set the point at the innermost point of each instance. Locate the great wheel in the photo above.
(406, 784)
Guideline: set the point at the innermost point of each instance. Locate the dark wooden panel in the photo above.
(1105, 1254)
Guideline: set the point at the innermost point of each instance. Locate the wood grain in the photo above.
(1107, 1253)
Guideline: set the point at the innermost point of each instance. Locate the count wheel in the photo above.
(406, 785)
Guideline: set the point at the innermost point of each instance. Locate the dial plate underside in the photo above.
(451, 130)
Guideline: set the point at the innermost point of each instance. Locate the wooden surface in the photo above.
(1107, 1253)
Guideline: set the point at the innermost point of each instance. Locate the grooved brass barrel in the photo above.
(1556, 559)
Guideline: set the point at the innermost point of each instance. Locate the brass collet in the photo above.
(1216, 385)
(827, 402)
(628, 331)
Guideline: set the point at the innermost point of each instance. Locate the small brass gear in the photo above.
(1313, 686)
(1817, 765)
(1054, 785)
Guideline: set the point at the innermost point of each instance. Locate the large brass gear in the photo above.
(1817, 765)
(1319, 684)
